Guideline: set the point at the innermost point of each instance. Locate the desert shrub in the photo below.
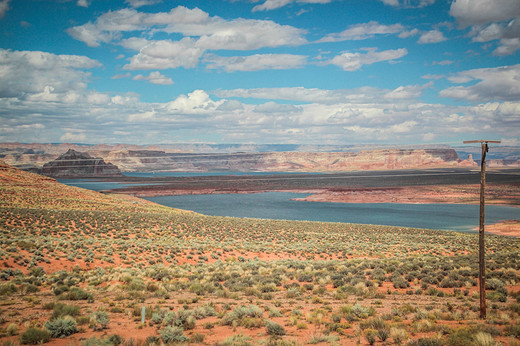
(12, 329)
(494, 284)
(7, 288)
(241, 312)
(62, 326)
(399, 335)
(93, 341)
(236, 340)
(512, 330)
(115, 339)
(172, 334)
(76, 293)
(99, 320)
(462, 336)
(274, 328)
(60, 310)
(483, 339)
(34, 336)
(320, 338)
(370, 335)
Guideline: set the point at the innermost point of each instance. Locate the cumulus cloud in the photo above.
(4, 7)
(24, 73)
(212, 32)
(473, 12)
(499, 83)
(354, 61)
(364, 31)
(155, 77)
(491, 20)
(197, 102)
(274, 4)
(432, 36)
(256, 62)
(166, 54)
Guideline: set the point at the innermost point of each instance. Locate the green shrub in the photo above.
(76, 293)
(274, 328)
(99, 320)
(370, 335)
(61, 310)
(172, 334)
(34, 336)
(236, 340)
(62, 327)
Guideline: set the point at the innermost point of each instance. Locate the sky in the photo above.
(334, 72)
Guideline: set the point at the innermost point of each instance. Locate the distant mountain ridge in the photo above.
(211, 157)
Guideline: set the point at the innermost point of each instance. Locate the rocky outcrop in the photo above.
(74, 164)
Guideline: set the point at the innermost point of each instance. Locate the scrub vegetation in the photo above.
(79, 267)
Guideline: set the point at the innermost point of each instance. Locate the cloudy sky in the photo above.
(260, 71)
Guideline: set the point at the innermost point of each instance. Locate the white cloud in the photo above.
(166, 54)
(354, 61)
(197, 102)
(274, 4)
(256, 62)
(4, 7)
(73, 137)
(499, 83)
(507, 46)
(491, 20)
(432, 36)
(34, 72)
(155, 77)
(273, 107)
(83, 3)
(473, 12)
(408, 3)
(141, 3)
(407, 92)
(364, 31)
(212, 32)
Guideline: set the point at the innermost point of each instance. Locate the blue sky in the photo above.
(260, 71)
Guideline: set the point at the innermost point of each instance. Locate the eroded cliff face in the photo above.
(290, 161)
(151, 159)
(74, 164)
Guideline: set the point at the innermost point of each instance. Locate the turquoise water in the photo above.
(278, 205)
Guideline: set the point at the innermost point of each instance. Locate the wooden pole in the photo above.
(481, 242)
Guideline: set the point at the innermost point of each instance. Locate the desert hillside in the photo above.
(80, 267)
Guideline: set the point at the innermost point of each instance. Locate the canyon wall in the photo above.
(148, 159)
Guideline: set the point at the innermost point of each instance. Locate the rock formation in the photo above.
(74, 164)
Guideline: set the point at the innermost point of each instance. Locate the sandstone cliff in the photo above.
(133, 158)
(74, 164)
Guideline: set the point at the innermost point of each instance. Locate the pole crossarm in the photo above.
(481, 141)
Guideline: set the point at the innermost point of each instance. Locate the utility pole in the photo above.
(481, 251)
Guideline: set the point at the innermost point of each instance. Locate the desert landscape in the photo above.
(87, 268)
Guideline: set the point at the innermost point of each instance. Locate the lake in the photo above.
(278, 205)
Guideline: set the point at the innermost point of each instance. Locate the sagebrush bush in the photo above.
(62, 326)
(274, 328)
(172, 334)
(34, 336)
